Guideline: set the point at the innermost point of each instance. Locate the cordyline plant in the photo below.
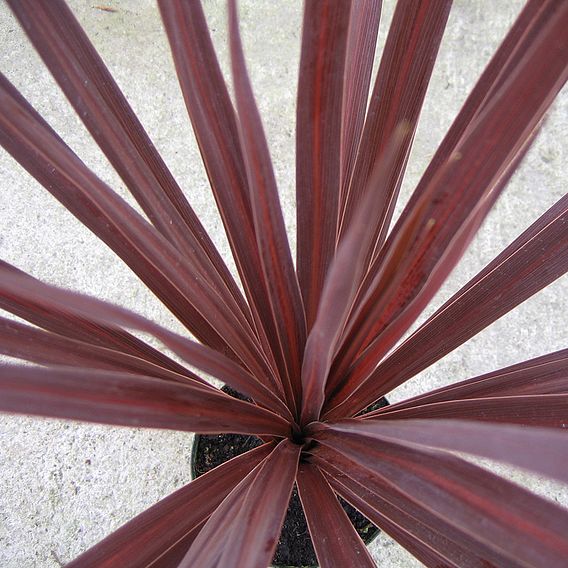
(311, 345)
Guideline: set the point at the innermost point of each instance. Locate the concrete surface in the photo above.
(66, 485)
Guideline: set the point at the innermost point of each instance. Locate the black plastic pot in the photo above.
(294, 547)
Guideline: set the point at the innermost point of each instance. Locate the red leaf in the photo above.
(368, 359)
(336, 542)
(27, 290)
(533, 410)
(407, 61)
(244, 530)
(527, 529)
(535, 259)
(150, 535)
(361, 43)
(38, 148)
(342, 282)
(501, 65)
(32, 344)
(541, 450)
(174, 555)
(435, 228)
(82, 329)
(318, 143)
(256, 530)
(544, 375)
(122, 399)
(99, 103)
(433, 540)
(215, 127)
(279, 274)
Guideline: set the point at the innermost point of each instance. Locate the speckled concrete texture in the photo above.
(66, 485)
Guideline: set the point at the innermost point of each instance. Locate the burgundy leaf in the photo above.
(336, 542)
(210, 542)
(503, 62)
(147, 537)
(244, 530)
(159, 264)
(374, 352)
(174, 555)
(342, 281)
(27, 290)
(361, 43)
(406, 66)
(434, 230)
(27, 137)
(527, 529)
(123, 399)
(535, 259)
(279, 273)
(32, 344)
(82, 329)
(91, 89)
(532, 410)
(422, 551)
(214, 123)
(537, 449)
(544, 375)
(311, 346)
(255, 531)
(513, 112)
(513, 47)
(318, 143)
(433, 540)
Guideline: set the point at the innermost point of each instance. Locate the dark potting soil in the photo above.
(295, 545)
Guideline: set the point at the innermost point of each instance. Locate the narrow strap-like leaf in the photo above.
(446, 216)
(535, 259)
(529, 530)
(209, 544)
(91, 89)
(528, 410)
(541, 450)
(38, 148)
(420, 548)
(361, 43)
(318, 143)
(503, 62)
(148, 536)
(215, 126)
(244, 529)
(82, 329)
(402, 80)
(431, 539)
(342, 282)
(389, 334)
(356, 372)
(434, 231)
(544, 375)
(122, 399)
(26, 290)
(255, 531)
(39, 346)
(280, 276)
(335, 541)
(174, 555)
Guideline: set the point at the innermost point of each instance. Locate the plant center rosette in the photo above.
(294, 548)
